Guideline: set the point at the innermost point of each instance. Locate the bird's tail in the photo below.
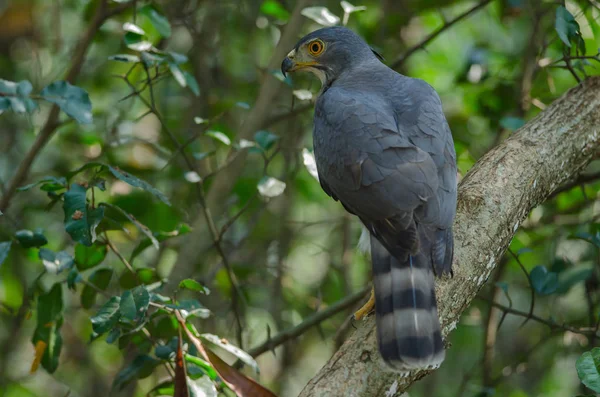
(408, 327)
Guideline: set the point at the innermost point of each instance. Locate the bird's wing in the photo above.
(371, 166)
(426, 127)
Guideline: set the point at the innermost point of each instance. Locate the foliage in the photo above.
(192, 215)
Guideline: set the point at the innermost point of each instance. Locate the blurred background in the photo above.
(221, 129)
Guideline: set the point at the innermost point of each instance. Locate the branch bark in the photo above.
(493, 199)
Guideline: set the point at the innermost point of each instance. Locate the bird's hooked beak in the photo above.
(290, 64)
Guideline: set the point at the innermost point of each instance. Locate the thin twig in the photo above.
(581, 180)
(549, 323)
(400, 61)
(314, 319)
(493, 322)
(120, 256)
(285, 116)
(237, 292)
(530, 285)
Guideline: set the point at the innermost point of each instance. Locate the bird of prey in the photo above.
(383, 148)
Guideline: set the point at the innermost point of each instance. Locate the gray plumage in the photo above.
(383, 148)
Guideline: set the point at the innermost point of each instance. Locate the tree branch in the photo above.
(553, 325)
(316, 318)
(493, 199)
(580, 181)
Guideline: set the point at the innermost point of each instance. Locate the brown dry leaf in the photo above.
(238, 382)
(181, 386)
(40, 349)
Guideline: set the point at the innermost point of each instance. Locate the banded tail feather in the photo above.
(408, 327)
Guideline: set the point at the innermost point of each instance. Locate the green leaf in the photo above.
(123, 176)
(133, 28)
(160, 237)
(160, 22)
(141, 367)
(275, 9)
(349, 8)
(144, 276)
(236, 351)
(321, 15)
(50, 305)
(87, 166)
(113, 335)
(98, 183)
(151, 59)
(219, 136)
(202, 387)
(543, 281)
(193, 285)
(134, 304)
(88, 257)
(164, 352)
(137, 42)
(166, 388)
(56, 183)
(308, 158)
(168, 351)
(203, 155)
(49, 321)
(243, 105)
(100, 279)
(177, 74)
(128, 58)
(503, 286)
(50, 335)
(303, 95)
(192, 83)
(177, 57)
(73, 278)
(270, 187)
(594, 239)
(206, 367)
(4, 250)
(80, 220)
(107, 317)
(165, 328)
(55, 262)
(71, 99)
(572, 276)
(512, 123)
(265, 139)
(588, 369)
(565, 25)
(16, 96)
(29, 239)
(139, 183)
(190, 308)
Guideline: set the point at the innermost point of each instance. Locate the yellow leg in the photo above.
(367, 308)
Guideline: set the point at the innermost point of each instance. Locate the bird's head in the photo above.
(327, 53)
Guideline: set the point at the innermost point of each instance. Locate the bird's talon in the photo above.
(367, 308)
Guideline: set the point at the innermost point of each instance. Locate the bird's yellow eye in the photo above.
(316, 47)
